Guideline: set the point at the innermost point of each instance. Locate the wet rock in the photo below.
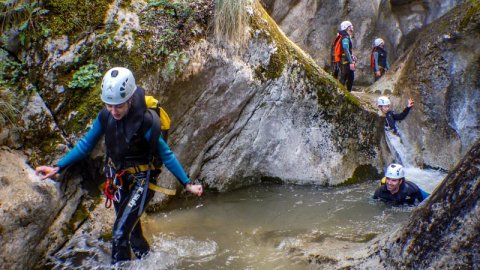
(313, 26)
(267, 114)
(441, 74)
(32, 212)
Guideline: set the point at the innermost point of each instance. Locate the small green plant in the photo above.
(23, 15)
(86, 77)
(175, 9)
(11, 71)
(175, 63)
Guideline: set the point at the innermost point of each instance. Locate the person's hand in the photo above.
(195, 189)
(378, 73)
(46, 171)
(410, 103)
(352, 67)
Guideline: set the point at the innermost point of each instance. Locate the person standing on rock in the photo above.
(343, 59)
(397, 190)
(379, 61)
(135, 152)
(383, 104)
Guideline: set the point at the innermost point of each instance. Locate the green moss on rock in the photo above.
(471, 12)
(87, 104)
(70, 17)
(80, 215)
(361, 174)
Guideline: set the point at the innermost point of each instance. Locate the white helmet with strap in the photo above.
(118, 86)
(395, 171)
(378, 42)
(344, 25)
(383, 101)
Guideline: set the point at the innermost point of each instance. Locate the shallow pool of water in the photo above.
(259, 227)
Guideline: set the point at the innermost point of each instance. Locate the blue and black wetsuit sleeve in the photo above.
(423, 194)
(375, 57)
(170, 160)
(84, 146)
(346, 50)
(402, 115)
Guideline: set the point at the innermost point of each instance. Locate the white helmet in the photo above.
(344, 25)
(118, 85)
(378, 42)
(395, 171)
(383, 101)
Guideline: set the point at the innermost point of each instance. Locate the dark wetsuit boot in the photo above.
(138, 242)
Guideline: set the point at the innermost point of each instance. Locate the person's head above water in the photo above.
(383, 103)
(394, 175)
(118, 86)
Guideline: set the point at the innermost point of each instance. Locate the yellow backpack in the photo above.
(383, 181)
(152, 103)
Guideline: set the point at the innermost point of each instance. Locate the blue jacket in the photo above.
(88, 142)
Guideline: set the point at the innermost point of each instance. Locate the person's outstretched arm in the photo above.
(173, 165)
(402, 115)
(78, 152)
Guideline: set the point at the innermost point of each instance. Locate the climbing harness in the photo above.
(114, 182)
(113, 185)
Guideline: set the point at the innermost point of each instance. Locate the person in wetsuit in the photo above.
(391, 117)
(379, 59)
(135, 151)
(397, 190)
(348, 60)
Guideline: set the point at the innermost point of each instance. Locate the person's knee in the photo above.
(120, 235)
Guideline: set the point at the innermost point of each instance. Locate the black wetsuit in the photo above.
(380, 61)
(129, 143)
(408, 193)
(392, 117)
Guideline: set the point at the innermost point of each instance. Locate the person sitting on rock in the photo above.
(384, 103)
(379, 61)
(397, 190)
